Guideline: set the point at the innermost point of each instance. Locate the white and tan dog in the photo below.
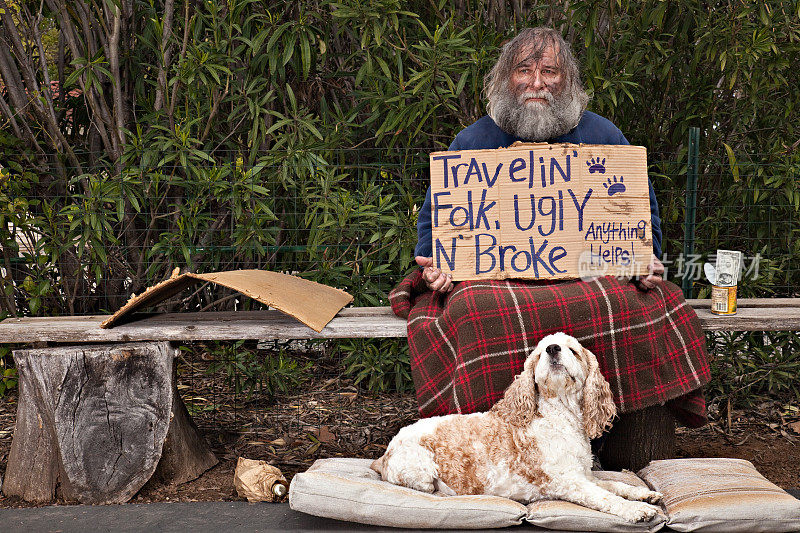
(532, 445)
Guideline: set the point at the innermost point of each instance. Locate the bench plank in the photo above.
(201, 326)
(359, 322)
(771, 303)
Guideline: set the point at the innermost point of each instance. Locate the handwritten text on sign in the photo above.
(541, 211)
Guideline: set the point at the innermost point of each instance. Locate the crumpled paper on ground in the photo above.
(259, 481)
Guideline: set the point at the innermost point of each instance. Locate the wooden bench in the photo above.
(755, 314)
(58, 379)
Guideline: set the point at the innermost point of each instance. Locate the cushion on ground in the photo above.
(347, 489)
(725, 495)
(566, 516)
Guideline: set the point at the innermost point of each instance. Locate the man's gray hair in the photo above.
(535, 41)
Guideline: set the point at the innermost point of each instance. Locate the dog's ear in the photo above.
(598, 403)
(519, 405)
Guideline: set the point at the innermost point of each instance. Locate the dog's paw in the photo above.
(643, 494)
(638, 512)
(653, 497)
(422, 485)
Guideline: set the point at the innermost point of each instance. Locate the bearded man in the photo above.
(534, 94)
(468, 339)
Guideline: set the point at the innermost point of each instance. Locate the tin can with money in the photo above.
(724, 285)
(723, 300)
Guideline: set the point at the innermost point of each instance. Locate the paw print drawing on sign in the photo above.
(616, 187)
(596, 165)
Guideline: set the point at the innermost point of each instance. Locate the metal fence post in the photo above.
(691, 207)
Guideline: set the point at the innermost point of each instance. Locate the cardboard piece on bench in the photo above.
(311, 303)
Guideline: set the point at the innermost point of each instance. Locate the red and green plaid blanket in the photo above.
(466, 346)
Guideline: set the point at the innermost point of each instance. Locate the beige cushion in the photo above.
(566, 516)
(725, 495)
(347, 489)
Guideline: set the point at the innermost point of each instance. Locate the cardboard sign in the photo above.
(541, 211)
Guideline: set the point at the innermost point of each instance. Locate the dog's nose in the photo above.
(553, 349)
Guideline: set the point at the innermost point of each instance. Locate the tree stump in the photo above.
(637, 438)
(94, 423)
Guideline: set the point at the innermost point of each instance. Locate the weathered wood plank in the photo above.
(32, 470)
(199, 326)
(359, 322)
(95, 422)
(752, 319)
(185, 454)
(107, 417)
(771, 303)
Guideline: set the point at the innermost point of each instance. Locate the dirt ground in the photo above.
(330, 417)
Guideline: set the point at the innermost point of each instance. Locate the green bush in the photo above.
(377, 365)
(749, 367)
(293, 136)
(8, 374)
(247, 371)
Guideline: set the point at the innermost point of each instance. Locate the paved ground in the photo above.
(216, 517)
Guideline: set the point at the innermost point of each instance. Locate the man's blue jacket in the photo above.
(485, 134)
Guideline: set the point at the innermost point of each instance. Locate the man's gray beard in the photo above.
(537, 121)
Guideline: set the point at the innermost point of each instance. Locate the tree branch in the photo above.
(10, 116)
(112, 54)
(96, 103)
(166, 53)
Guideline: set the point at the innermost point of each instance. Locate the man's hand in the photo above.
(435, 279)
(656, 269)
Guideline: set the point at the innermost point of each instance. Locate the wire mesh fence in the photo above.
(748, 206)
(347, 220)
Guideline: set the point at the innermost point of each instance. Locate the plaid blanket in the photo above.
(466, 346)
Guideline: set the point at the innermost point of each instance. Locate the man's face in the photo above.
(532, 78)
(536, 102)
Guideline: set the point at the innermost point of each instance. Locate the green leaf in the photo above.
(305, 55)
(74, 75)
(732, 162)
